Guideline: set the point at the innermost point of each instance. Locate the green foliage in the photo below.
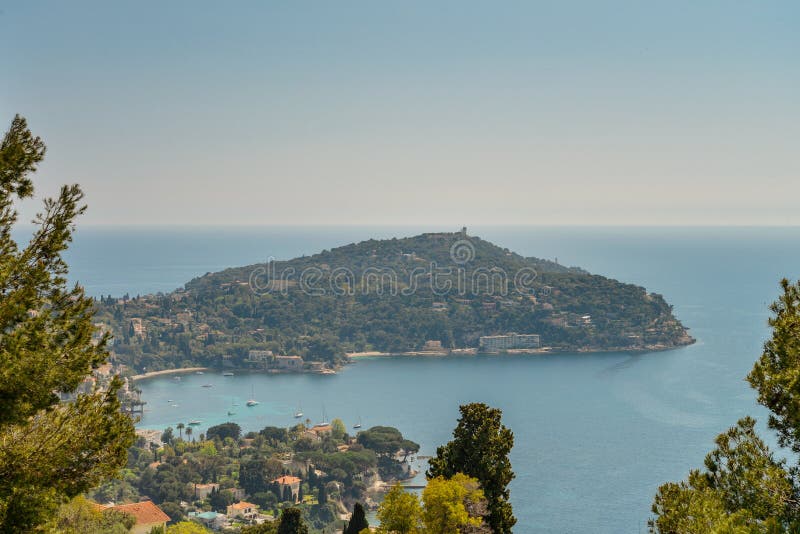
(480, 449)
(225, 430)
(79, 516)
(386, 440)
(338, 430)
(400, 317)
(358, 521)
(400, 512)
(187, 527)
(49, 451)
(291, 522)
(445, 504)
(743, 488)
(267, 527)
(776, 374)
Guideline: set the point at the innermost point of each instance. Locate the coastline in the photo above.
(153, 374)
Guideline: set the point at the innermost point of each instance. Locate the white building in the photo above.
(509, 341)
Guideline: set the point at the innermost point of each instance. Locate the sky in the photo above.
(443, 113)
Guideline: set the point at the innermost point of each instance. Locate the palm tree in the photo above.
(180, 427)
(188, 432)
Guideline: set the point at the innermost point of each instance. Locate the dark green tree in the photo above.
(292, 522)
(358, 521)
(287, 494)
(744, 489)
(775, 374)
(480, 448)
(322, 496)
(49, 451)
(225, 430)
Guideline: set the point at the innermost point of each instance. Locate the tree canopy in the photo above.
(49, 450)
(479, 449)
(744, 488)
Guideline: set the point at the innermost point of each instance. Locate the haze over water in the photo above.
(595, 434)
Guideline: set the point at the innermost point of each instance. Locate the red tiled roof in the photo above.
(145, 512)
(287, 481)
(242, 505)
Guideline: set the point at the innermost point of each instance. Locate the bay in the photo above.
(595, 434)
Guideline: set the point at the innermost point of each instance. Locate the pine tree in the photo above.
(358, 521)
(479, 449)
(49, 451)
(292, 522)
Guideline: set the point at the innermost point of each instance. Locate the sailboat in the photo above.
(358, 425)
(299, 413)
(231, 412)
(252, 401)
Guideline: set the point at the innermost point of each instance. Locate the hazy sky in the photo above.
(441, 113)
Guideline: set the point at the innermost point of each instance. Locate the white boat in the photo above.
(198, 372)
(208, 385)
(299, 413)
(252, 401)
(194, 422)
(227, 373)
(358, 425)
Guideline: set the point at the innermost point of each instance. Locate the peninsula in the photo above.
(434, 293)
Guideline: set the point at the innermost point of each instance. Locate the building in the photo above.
(509, 341)
(321, 429)
(201, 491)
(242, 510)
(259, 355)
(289, 363)
(148, 516)
(293, 483)
(432, 346)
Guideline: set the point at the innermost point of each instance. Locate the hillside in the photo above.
(386, 295)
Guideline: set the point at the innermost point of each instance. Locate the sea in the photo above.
(594, 434)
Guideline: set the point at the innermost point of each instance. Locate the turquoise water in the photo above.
(595, 434)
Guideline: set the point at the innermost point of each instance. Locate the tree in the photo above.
(322, 496)
(180, 427)
(480, 449)
(775, 374)
(386, 440)
(225, 430)
(292, 522)
(743, 486)
(445, 504)
(338, 430)
(49, 451)
(187, 527)
(358, 521)
(267, 527)
(79, 516)
(400, 512)
(219, 500)
(188, 433)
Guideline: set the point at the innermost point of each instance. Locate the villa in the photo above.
(148, 516)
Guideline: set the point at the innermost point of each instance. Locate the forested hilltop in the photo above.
(391, 295)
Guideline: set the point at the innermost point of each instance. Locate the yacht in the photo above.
(252, 401)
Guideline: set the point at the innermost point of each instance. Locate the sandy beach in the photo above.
(153, 374)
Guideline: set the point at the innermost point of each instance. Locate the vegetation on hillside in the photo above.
(335, 471)
(391, 296)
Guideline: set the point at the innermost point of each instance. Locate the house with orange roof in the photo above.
(148, 516)
(293, 483)
(241, 510)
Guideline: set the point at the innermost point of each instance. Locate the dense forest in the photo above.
(385, 295)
